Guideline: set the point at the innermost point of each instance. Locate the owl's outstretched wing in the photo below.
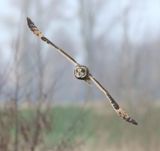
(39, 34)
(113, 103)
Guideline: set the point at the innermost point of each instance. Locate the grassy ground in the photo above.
(98, 128)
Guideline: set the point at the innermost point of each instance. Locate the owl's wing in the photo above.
(39, 34)
(113, 103)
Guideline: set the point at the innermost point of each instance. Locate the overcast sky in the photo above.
(144, 20)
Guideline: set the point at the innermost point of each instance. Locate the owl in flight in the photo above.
(82, 72)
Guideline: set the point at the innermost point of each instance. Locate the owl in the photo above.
(81, 72)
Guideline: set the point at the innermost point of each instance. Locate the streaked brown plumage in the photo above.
(81, 72)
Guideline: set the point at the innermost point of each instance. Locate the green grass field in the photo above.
(72, 124)
(98, 129)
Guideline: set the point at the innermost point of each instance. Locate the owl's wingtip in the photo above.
(29, 21)
(124, 115)
(134, 122)
(130, 120)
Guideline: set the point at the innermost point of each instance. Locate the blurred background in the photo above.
(43, 106)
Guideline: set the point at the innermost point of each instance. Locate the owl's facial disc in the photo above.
(81, 72)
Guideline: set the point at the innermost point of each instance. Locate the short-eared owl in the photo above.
(82, 72)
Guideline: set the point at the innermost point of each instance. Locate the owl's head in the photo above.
(81, 72)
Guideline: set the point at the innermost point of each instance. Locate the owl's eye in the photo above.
(83, 70)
